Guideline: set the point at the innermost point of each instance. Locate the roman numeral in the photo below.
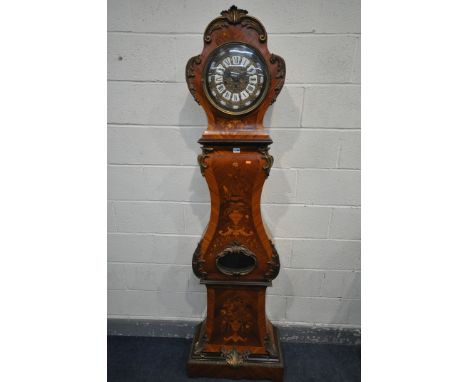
(244, 95)
(251, 70)
(236, 60)
(220, 69)
(227, 62)
(227, 95)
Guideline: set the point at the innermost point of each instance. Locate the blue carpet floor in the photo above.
(138, 359)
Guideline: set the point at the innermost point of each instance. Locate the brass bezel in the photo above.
(265, 90)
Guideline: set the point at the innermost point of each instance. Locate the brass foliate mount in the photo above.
(198, 263)
(201, 158)
(190, 76)
(234, 358)
(234, 14)
(236, 251)
(268, 159)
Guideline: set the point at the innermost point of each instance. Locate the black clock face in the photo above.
(236, 78)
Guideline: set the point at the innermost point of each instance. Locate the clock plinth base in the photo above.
(216, 365)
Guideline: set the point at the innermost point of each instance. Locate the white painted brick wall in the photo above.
(159, 202)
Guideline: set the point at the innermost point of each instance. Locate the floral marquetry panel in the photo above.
(235, 182)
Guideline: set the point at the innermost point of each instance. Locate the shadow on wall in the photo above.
(278, 150)
(198, 191)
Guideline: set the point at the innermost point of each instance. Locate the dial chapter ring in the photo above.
(265, 84)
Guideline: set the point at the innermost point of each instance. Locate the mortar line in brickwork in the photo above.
(148, 125)
(284, 128)
(111, 164)
(190, 319)
(330, 222)
(338, 154)
(302, 106)
(351, 206)
(269, 294)
(314, 238)
(112, 315)
(153, 233)
(159, 291)
(282, 34)
(314, 297)
(317, 325)
(207, 203)
(184, 219)
(112, 220)
(150, 263)
(189, 266)
(355, 54)
(296, 180)
(311, 84)
(312, 325)
(117, 164)
(288, 84)
(316, 269)
(321, 169)
(196, 320)
(145, 81)
(198, 236)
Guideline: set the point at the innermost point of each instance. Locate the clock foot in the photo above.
(234, 364)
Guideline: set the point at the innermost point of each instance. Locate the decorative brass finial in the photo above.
(234, 14)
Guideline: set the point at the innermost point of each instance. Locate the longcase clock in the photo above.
(235, 79)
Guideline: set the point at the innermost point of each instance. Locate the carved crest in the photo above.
(190, 75)
(234, 25)
(280, 74)
(234, 16)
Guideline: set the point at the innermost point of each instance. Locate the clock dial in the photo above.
(235, 78)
